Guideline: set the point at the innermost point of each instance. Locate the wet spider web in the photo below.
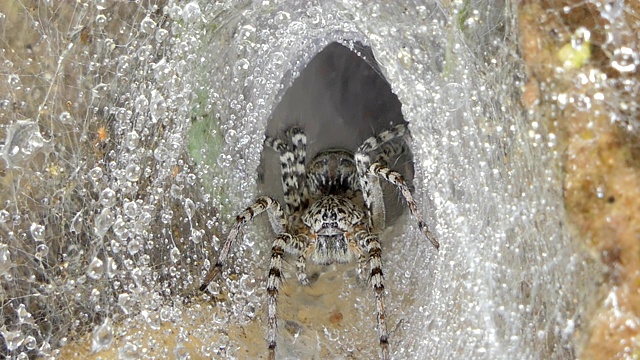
(129, 135)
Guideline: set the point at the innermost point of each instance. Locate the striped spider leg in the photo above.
(283, 243)
(324, 219)
(368, 173)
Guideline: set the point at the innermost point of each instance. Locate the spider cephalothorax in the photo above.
(334, 211)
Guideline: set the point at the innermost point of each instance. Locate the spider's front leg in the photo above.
(262, 204)
(292, 166)
(369, 174)
(397, 180)
(370, 243)
(369, 183)
(283, 243)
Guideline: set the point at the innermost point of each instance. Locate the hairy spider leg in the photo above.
(276, 218)
(370, 184)
(292, 163)
(289, 180)
(299, 149)
(395, 178)
(283, 243)
(370, 243)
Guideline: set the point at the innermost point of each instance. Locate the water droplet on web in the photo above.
(166, 215)
(96, 174)
(22, 142)
(161, 153)
(174, 254)
(152, 319)
(132, 172)
(141, 103)
(296, 28)
(14, 81)
(611, 10)
(24, 317)
(103, 222)
(625, 59)
(125, 302)
(129, 352)
(124, 65)
(161, 34)
(454, 96)
(95, 269)
(191, 12)
(4, 216)
(123, 114)
(108, 197)
(134, 246)
(181, 352)
(102, 336)
(65, 118)
(147, 25)
(158, 106)
(130, 209)
(37, 231)
(131, 140)
(189, 208)
(145, 53)
(41, 251)
(101, 20)
(76, 223)
(5, 260)
(12, 339)
(30, 343)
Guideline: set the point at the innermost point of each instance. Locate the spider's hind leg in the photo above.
(262, 204)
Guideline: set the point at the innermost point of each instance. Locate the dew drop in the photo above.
(158, 106)
(181, 352)
(161, 34)
(65, 118)
(134, 246)
(161, 153)
(41, 251)
(12, 339)
(174, 254)
(103, 222)
(130, 209)
(125, 302)
(4, 216)
(102, 336)
(147, 25)
(189, 207)
(29, 344)
(37, 231)
(108, 197)
(101, 20)
(129, 352)
(24, 316)
(95, 269)
(191, 12)
(141, 103)
(132, 172)
(96, 174)
(625, 60)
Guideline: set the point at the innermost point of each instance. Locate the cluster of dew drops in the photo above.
(125, 227)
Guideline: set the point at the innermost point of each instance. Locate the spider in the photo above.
(333, 213)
